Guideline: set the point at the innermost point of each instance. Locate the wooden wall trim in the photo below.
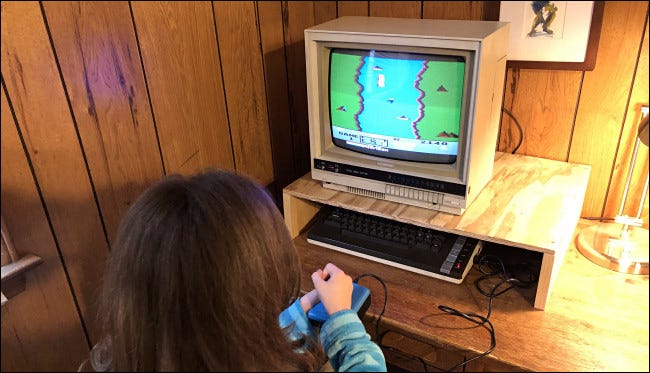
(398, 9)
(44, 316)
(547, 122)
(243, 76)
(271, 32)
(633, 115)
(181, 60)
(297, 16)
(51, 139)
(352, 8)
(604, 98)
(98, 54)
(470, 10)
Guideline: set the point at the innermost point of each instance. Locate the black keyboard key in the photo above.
(422, 246)
(333, 223)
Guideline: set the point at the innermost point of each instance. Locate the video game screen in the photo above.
(396, 104)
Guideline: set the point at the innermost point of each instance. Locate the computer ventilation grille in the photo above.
(367, 193)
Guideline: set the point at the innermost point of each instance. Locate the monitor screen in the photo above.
(397, 105)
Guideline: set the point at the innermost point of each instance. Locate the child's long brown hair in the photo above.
(200, 270)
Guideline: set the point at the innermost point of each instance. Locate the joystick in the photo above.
(360, 303)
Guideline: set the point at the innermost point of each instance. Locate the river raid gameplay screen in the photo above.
(397, 105)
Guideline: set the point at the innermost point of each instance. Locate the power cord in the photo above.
(521, 131)
(486, 265)
(490, 266)
(479, 320)
(379, 337)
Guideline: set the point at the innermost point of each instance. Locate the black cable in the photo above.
(489, 261)
(489, 266)
(521, 131)
(479, 320)
(378, 337)
(506, 278)
(381, 314)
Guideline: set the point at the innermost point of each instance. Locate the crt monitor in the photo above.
(405, 110)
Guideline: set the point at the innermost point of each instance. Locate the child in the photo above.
(203, 275)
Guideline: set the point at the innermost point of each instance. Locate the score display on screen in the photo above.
(396, 104)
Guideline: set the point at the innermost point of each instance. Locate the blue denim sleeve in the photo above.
(348, 346)
(302, 327)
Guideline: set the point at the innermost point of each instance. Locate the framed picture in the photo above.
(553, 35)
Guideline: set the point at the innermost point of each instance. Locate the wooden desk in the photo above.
(594, 319)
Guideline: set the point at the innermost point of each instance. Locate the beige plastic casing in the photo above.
(484, 46)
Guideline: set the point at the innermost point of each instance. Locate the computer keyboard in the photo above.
(434, 253)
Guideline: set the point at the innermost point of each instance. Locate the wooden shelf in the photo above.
(530, 203)
(594, 320)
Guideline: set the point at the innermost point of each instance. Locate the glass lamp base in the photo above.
(609, 246)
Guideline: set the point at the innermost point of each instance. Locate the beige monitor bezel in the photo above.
(323, 147)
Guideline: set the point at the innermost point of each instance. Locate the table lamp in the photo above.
(621, 246)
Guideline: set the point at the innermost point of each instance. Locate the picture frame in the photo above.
(553, 35)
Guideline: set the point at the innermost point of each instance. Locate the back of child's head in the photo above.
(197, 276)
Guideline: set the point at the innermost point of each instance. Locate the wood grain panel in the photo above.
(544, 103)
(638, 98)
(469, 10)
(297, 16)
(54, 334)
(181, 61)
(98, 55)
(277, 96)
(298, 213)
(400, 351)
(396, 9)
(35, 90)
(243, 75)
(352, 8)
(604, 95)
(324, 11)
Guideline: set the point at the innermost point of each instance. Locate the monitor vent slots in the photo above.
(416, 194)
(366, 192)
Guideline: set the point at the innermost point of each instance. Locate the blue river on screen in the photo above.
(390, 97)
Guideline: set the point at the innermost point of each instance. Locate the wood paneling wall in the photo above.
(99, 99)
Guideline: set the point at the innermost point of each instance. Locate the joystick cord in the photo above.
(383, 284)
(490, 266)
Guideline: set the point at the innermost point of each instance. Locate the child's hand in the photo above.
(309, 300)
(334, 288)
